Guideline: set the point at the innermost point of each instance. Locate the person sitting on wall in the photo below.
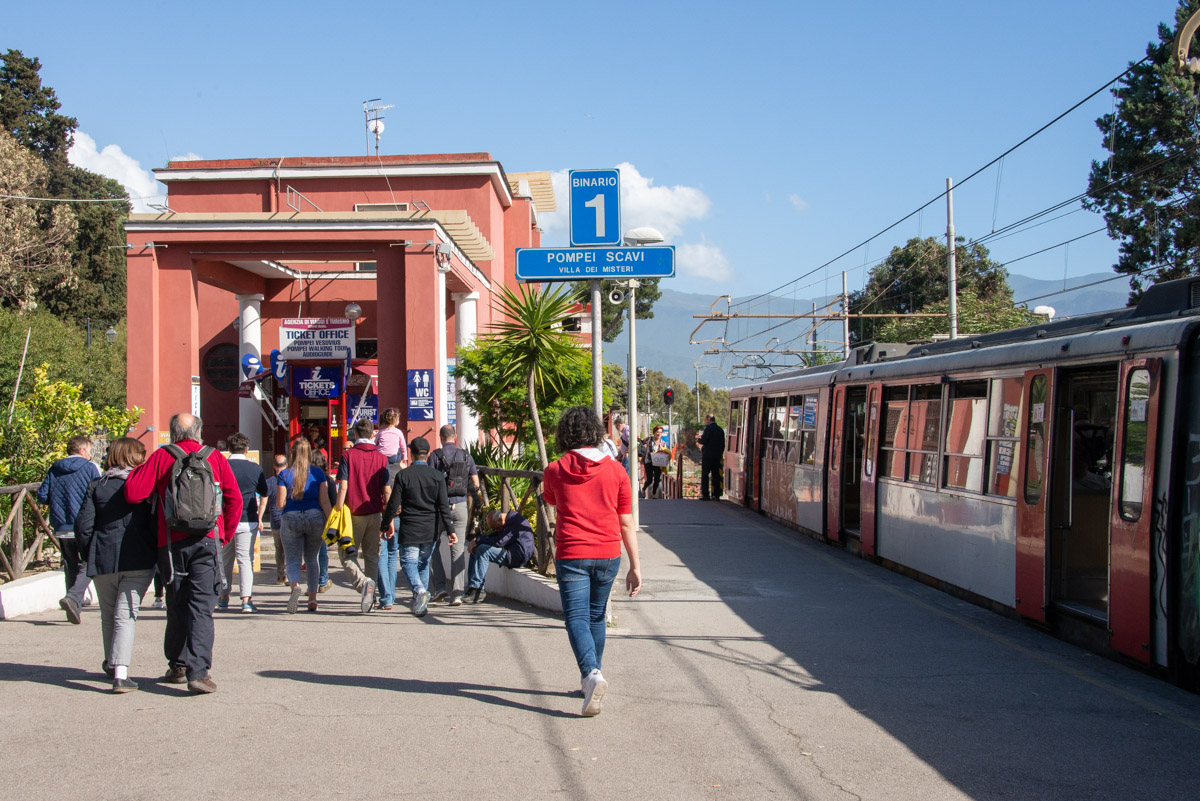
(509, 545)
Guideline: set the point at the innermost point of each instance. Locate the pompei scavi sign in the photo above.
(316, 338)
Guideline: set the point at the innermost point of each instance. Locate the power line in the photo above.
(959, 183)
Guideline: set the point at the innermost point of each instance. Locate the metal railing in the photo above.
(543, 524)
(15, 555)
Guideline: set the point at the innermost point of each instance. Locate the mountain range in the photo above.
(663, 340)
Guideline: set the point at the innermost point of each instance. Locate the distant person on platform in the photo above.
(419, 497)
(509, 544)
(363, 490)
(190, 563)
(64, 489)
(462, 478)
(712, 451)
(252, 483)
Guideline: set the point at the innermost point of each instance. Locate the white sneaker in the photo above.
(594, 687)
(294, 599)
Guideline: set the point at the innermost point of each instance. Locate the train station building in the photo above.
(350, 280)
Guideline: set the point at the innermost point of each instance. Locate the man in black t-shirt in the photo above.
(253, 485)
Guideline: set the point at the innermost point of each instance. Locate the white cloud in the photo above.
(703, 260)
(667, 208)
(798, 202)
(112, 162)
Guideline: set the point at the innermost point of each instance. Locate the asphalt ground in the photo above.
(755, 664)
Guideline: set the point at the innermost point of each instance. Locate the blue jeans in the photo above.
(414, 561)
(303, 534)
(484, 555)
(584, 585)
(389, 551)
(323, 563)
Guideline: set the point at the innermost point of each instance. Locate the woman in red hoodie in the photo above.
(591, 492)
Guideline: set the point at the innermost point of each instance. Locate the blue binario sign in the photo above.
(582, 264)
(595, 206)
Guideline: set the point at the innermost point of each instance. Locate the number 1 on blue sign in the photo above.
(597, 203)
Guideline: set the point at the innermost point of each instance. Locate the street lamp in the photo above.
(110, 336)
(635, 237)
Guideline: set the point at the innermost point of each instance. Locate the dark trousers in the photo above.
(711, 474)
(75, 570)
(194, 582)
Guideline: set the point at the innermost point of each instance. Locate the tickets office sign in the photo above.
(316, 338)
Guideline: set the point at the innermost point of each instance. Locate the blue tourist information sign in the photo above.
(582, 264)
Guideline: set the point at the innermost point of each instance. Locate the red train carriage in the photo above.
(1052, 471)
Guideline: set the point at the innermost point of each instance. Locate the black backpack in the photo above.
(192, 501)
(457, 470)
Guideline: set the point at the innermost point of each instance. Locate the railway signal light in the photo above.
(668, 396)
(641, 374)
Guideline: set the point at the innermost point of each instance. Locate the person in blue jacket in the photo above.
(509, 545)
(64, 489)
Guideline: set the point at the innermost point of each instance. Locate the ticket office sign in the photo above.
(316, 338)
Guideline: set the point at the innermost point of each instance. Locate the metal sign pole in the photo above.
(597, 354)
(633, 401)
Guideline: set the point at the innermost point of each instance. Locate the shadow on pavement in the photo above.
(73, 678)
(996, 708)
(478, 692)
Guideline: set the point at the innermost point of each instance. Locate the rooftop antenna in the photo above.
(373, 115)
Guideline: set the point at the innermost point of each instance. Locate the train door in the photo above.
(750, 461)
(833, 492)
(1033, 493)
(870, 470)
(1132, 507)
(1082, 461)
(849, 427)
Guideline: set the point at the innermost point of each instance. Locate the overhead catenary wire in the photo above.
(959, 184)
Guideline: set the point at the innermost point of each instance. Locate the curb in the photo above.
(524, 585)
(33, 594)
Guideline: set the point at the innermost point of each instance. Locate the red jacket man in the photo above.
(190, 563)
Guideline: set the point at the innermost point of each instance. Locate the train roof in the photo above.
(1162, 318)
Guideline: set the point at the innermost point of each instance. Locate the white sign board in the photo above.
(316, 338)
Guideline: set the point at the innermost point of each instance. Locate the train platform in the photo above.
(757, 663)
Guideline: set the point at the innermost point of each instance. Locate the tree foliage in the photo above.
(531, 345)
(62, 347)
(1146, 188)
(94, 284)
(975, 316)
(35, 252)
(612, 315)
(913, 278)
(43, 421)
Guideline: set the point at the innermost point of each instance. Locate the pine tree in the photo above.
(1145, 189)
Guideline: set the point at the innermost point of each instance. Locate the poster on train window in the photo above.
(809, 418)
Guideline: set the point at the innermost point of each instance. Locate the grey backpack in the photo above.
(192, 501)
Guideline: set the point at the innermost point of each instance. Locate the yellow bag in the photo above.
(338, 530)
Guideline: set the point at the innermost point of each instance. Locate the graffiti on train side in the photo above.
(1189, 547)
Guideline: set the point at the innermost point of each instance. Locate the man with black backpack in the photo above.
(199, 508)
(462, 478)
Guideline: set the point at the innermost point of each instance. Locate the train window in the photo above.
(1004, 413)
(775, 419)
(869, 440)
(966, 426)
(803, 431)
(895, 432)
(924, 432)
(732, 442)
(1035, 439)
(1133, 451)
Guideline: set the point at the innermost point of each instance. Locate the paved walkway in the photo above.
(756, 664)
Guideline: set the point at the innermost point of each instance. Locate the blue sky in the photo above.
(764, 138)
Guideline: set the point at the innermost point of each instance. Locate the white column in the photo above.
(466, 325)
(439, 370)
(250, 333)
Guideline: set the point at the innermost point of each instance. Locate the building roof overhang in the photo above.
(454, 227)
(282, 169)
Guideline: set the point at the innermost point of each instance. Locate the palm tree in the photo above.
(541, 351)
